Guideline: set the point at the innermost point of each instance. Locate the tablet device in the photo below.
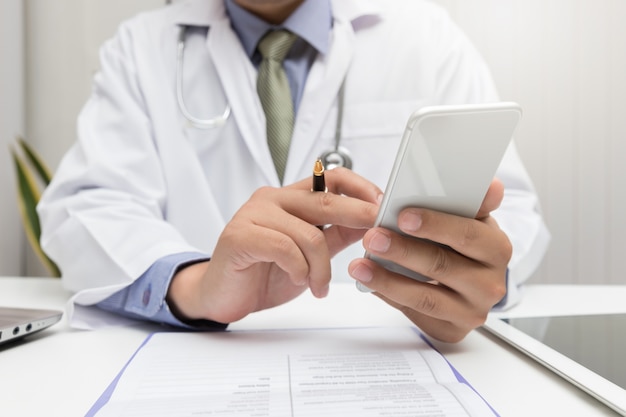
(586, 350)
(446, 161)
(16, 323)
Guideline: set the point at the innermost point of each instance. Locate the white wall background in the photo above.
(12, 258)
(49, 54)
(564, 61)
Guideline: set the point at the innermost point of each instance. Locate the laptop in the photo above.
(586, 350)
(16, 323)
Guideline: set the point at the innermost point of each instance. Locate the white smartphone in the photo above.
(446, 161)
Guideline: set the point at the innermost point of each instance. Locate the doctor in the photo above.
(169, 207)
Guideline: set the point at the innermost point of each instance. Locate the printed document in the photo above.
(293, 373)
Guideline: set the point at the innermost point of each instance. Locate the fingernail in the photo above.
(323, 292)
(410, 221)
(380, 242)
(362, 273)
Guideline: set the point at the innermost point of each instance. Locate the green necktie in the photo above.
(275, 95)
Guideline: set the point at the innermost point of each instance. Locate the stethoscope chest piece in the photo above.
(336, 157)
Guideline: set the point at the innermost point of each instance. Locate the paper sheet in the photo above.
(333, 372)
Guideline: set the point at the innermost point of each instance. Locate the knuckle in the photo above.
(316, 237)
(326, 201)
(283, 244)
(498, 290)
(262, 192)
(441, 263)
(231, 233)
(506, 250)
(365, 212)
(371, 210)
(404, 253)
(426, 304)
(470, 234)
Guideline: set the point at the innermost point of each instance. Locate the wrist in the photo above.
(183, 295)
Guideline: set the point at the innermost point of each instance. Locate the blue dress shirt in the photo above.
(312, 22)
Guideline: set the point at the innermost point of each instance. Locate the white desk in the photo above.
(61, 371)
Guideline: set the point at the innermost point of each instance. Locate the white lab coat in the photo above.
(140, 183)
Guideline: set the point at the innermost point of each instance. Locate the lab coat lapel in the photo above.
(238, 78)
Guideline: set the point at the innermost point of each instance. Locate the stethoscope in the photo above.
(337, 156)
(196, 122)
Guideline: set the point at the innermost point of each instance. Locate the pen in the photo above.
(319, 184)
(318, 177)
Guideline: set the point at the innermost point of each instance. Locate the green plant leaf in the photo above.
(28, 197)
(36, 162)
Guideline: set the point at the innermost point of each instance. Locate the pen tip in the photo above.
(318, 168)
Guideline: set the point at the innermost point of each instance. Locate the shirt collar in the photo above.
(311, 21)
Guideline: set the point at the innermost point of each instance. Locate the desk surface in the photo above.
(62, 371)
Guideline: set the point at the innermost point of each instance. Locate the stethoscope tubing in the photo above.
(337, 156)
(193, 121)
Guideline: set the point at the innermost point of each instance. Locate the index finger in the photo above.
(331, 208)
(343, 181)
(481, 240)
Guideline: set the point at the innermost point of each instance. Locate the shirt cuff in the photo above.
(145, 298)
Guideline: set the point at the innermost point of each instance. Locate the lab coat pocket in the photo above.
(203, 140)
(371, 133)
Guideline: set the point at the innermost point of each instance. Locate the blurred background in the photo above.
(564, 61)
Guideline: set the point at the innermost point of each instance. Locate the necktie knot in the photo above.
(275, 45)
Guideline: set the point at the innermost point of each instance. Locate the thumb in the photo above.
(492, 199)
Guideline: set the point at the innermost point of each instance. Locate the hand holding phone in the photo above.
(447, 158)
